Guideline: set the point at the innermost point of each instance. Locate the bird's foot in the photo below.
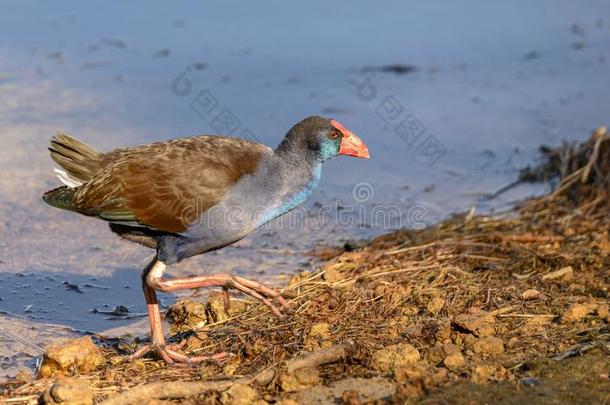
(170, 354)
(255, 290)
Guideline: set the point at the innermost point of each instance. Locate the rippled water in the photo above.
(491, 83)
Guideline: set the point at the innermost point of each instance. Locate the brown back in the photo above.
(167, 185)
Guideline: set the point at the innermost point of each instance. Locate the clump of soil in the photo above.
(70, 357)
(475, 309)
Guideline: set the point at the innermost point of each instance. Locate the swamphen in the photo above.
(188, 196)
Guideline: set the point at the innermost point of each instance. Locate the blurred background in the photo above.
(451, 98)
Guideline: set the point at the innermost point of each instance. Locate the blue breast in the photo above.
(294, 200)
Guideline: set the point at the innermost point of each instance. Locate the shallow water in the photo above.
(492, 83)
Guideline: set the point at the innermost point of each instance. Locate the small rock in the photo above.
(70, 356)
(479, 323)
(577, 312)
(412, 371)
(454, 362)
(530, 294)
(563, 274)
(186, 315)
(488, 346)
(68, 391)
(300, 379)
(391, 357)
(215, 307)
(238, 394)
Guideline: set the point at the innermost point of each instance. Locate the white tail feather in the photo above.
(66, 179)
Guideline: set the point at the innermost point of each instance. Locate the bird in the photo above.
(188, 196)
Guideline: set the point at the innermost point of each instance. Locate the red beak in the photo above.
(351, 145)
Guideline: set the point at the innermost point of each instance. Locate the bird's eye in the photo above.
(333, 134)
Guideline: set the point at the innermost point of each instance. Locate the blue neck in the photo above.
(295, 199)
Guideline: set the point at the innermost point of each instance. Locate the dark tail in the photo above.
(78, 159)
(60, 197)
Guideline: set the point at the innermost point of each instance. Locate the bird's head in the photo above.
(323, 139)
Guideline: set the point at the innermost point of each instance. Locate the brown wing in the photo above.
(167, 185)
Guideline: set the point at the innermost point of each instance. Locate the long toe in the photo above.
(259, 292)
(262, 289)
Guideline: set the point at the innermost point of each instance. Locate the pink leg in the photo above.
(152, 280)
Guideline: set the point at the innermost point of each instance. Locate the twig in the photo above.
(600, 135)
(320, 357)
(527, 316)
(28, 398)
(410, 248)
(166, 390)
(579, 349)
(529, 238)
(503, 189)
(502, 310)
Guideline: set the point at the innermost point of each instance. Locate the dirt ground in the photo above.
(511, 308)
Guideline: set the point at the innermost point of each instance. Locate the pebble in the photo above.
(530, 294)
(480, 323)
(68, 391)
(73, 355)
(454, 361)
(488, 346)
(391, 357)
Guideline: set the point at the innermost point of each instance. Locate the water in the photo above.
(491, 83)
